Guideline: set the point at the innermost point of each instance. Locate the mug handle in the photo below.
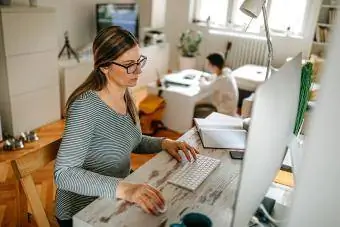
(177, 225)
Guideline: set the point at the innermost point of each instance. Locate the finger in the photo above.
(176, 155)
(193, 148)
(186, 152)
(192, 151)
(154, 200)
(149, 205)
(153, 197)
(141, 204)
(158, 194)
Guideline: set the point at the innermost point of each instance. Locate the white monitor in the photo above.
(273, 118)
(316, 199)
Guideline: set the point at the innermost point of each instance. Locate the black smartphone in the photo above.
(236, 154)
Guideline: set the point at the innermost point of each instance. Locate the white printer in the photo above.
(153, 37)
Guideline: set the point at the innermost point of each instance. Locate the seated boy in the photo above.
(225, 97)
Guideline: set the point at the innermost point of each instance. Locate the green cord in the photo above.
(306, 82)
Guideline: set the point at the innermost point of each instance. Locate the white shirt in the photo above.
(225, 96)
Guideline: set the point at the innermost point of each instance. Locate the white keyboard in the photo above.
(192, 174)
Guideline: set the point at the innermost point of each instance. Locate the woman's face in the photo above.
(125, 70)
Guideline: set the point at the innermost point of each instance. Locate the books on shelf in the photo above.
(223, 132)
(332, 14)
(323, 29)
(322, 34)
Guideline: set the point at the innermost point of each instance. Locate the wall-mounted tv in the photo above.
(121, 14)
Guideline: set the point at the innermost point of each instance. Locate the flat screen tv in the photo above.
(124, 15)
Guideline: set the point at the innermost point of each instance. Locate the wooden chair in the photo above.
(23, 169)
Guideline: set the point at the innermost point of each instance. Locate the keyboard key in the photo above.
(192, 174)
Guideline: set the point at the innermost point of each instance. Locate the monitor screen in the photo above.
(124, 15)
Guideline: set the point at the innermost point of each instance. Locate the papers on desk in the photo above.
(222, 132)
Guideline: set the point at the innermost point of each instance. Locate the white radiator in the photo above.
(246, 50)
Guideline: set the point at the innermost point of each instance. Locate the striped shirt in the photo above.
(95, 153)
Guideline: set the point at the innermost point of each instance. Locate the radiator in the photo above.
(246, 50)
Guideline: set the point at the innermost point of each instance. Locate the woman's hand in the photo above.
(144, 195)
(172, 147)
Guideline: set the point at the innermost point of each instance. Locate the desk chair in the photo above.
(151, 111)
(23, 168)
(203, 110)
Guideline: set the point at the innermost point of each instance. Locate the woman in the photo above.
(102, 129)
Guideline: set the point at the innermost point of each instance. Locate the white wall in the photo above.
(178, 19)
(75, 16)
(78, 17)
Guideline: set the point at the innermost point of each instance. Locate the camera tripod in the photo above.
(68, 48)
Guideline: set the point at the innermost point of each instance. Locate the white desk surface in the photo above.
(181, 100)
(189, 77)
(248, 77)
(215, 197)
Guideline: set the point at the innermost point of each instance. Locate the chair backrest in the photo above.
(24, 167)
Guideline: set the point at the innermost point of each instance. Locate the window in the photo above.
(288, 14)
(283, 15)
(206, 9)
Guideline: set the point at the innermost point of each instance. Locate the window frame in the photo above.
(232, 27)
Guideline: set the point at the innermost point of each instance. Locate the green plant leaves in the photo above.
(189, 43)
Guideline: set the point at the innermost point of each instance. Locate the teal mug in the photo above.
(194, 220)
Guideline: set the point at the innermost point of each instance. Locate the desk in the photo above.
(13, 211)
(249, 77)
(215, 197)
(180, 100)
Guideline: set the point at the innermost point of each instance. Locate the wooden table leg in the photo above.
(22, 215)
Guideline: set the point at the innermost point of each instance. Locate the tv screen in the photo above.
(124, 15)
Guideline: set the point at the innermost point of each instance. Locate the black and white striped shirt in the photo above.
(95, 153)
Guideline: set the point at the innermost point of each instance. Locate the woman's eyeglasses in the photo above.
(132, 68)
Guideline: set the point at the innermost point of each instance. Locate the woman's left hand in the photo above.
(172, 147)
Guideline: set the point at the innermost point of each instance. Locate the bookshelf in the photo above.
(326, 19)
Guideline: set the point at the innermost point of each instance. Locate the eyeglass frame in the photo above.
(136, 63)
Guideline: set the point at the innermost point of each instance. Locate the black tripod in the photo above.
(68, 48)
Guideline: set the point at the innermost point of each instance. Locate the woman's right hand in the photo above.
(144, 195)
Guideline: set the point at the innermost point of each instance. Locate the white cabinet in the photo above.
(157, 63)
(71, 75)
(29, 85)
(152, 13)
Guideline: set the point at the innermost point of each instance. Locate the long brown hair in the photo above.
(109, 44)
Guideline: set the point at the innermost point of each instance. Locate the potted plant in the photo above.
(189, 48)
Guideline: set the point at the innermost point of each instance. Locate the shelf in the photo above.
(331, 6)
(325, 25)
(320, 43)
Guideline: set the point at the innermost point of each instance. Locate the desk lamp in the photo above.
(252, 8)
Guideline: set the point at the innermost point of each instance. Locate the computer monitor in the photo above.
(316, 199)
(124, 15)
(273, 118)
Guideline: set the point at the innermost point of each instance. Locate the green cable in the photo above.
(306, 82)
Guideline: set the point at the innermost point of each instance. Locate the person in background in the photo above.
(225, 97)
(102, 129)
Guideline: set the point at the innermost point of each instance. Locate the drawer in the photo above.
(34, 109)
(31, 72)
(28, 32)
